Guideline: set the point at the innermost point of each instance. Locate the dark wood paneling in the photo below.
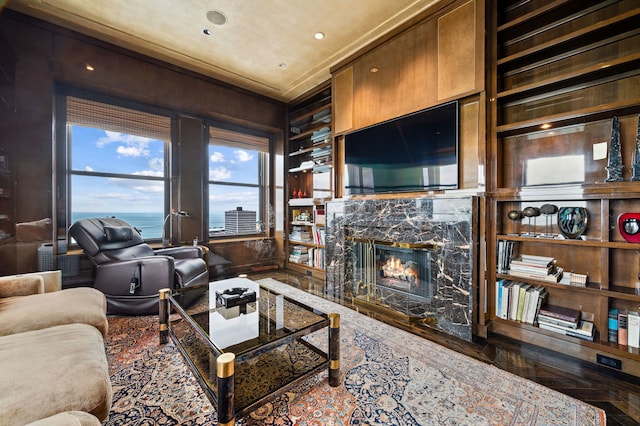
(134, 77)
(457, 41)
(343, 101)
(47, 55)
(188, 188)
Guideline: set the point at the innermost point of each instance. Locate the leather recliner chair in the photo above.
(130, 273)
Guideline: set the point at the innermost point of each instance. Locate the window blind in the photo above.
(230, 138)
(87, 113)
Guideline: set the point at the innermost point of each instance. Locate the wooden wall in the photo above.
(437, 59)
(47, 56)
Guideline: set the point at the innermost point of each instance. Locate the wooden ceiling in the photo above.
(267, 46)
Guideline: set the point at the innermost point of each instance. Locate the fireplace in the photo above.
(382, 267)
(435, 235)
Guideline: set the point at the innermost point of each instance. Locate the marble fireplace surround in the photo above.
(446, 223)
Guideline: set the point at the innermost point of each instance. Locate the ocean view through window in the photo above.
(117, 164)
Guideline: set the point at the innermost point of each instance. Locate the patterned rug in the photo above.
(389, 377)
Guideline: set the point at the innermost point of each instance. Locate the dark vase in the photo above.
(573, 221)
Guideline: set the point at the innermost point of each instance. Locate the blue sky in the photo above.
(96, 150)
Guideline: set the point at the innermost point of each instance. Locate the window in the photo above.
(238, 175)
(117, 163)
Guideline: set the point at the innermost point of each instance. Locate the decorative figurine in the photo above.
(614, 167)
(573, 221)
(636, 155)
(514, 215)
(530, 212)
(548, 210)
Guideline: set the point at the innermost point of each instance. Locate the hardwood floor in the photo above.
(618, 394)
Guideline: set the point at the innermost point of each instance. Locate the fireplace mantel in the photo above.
(444, 226)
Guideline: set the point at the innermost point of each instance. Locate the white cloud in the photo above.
(217, 157)
(88, 169)
(242, 155)
(132, 146)
(219, 173)
(154, 173)
(140, 187)
(156, 163)
(133, 151)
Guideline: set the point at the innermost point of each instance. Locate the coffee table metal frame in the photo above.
(224, 396)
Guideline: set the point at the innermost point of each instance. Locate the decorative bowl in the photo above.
(573, 221)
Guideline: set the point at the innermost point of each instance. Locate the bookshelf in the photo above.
(310, 180)
(562, 71)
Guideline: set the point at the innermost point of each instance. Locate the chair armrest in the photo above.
(21, 285)
(154, 273)
(183, 252)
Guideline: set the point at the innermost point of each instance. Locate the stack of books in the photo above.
(567, 321)
(536, 267)
(299, 254)
(299, 233)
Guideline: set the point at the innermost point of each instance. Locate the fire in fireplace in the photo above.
(381, 267)
(404, 269)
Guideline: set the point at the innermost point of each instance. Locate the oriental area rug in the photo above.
(389, 377)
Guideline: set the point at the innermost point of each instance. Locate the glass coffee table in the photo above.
(246, 343)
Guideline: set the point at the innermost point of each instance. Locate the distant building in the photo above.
(239, 221)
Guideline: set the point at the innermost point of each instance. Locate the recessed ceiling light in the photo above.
(282, 65)
(319, 35)
(374, 69)
(206, 31)
(89, 67)
(216, 17)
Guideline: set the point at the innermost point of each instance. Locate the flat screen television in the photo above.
(416, 152)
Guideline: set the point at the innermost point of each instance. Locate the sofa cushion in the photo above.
(49, 371)
(75, 305)
(69, 418)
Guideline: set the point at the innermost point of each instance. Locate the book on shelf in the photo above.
(319, 235)
(522, 298)
(537, 298)
(557, 322)
(539, 260)
(519, 301)
(299, 233)
(505, 252)
(585, 330)
(613, 325)
(560, 312)
(622, 328)
(633, 329)
(559, 315)
(542, 268)
(553, 277)
(319, 217)
(504, 308)
(298, 258)
(514, 292)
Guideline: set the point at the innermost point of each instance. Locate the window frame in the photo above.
(62, 148)
(266, 189)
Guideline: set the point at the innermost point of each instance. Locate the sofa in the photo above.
(54, 368)
(34, 301)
